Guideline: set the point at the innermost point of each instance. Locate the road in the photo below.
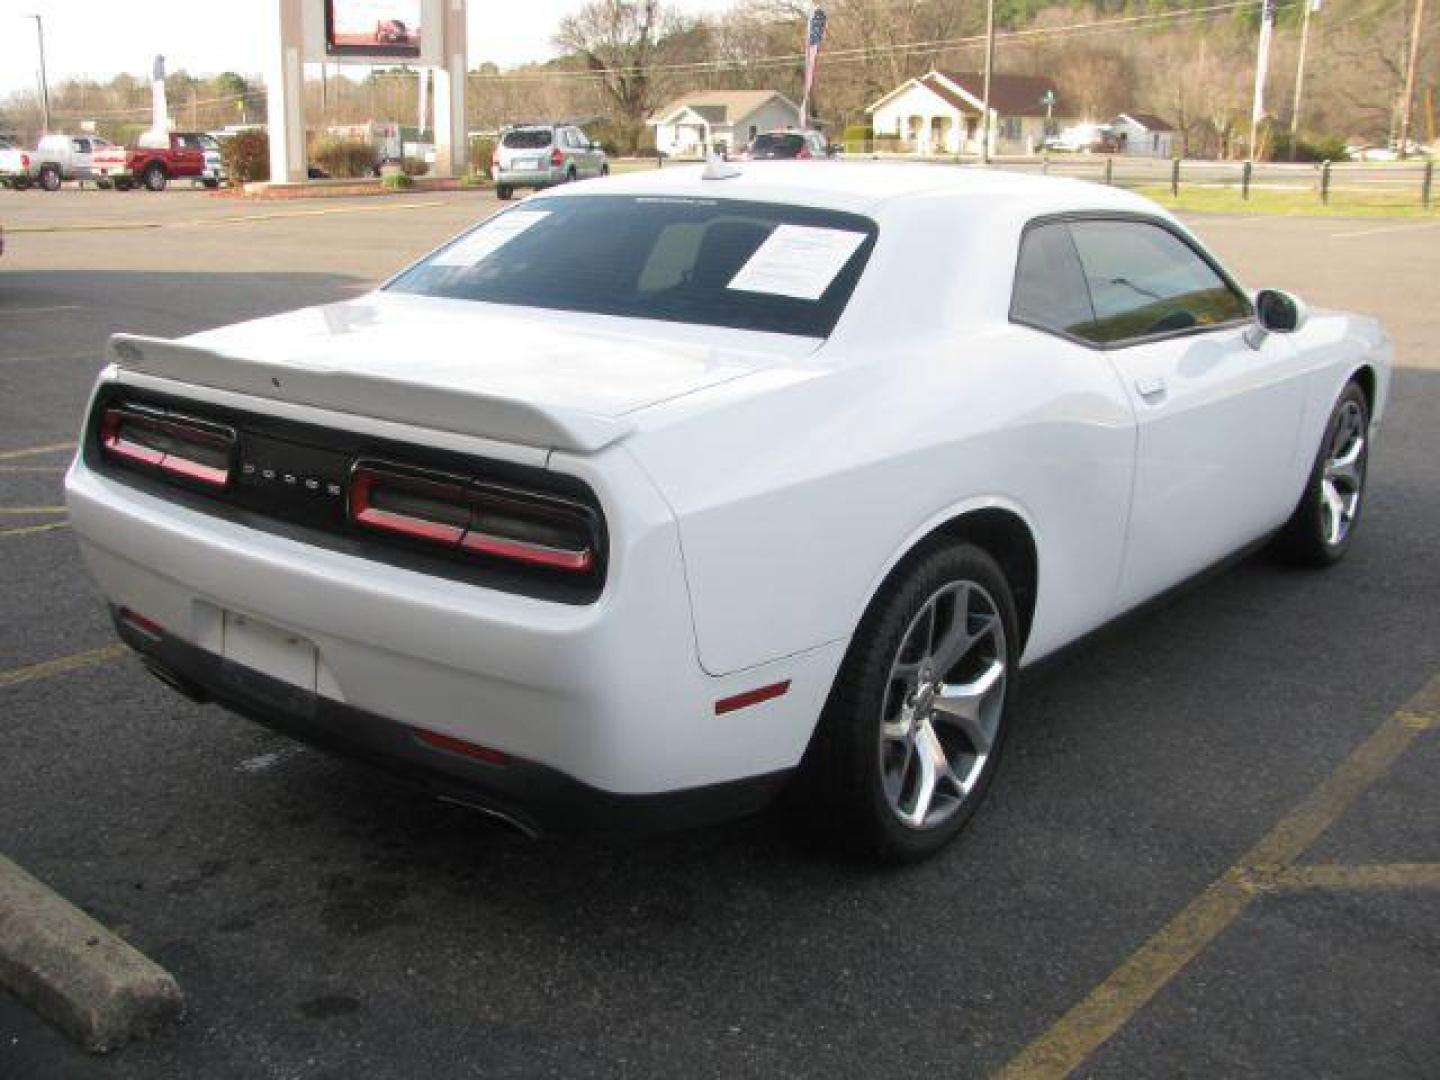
(327, 923)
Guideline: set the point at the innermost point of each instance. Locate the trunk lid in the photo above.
(550, 379)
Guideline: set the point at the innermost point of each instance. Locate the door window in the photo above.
(1145, 281)
(1050, 291)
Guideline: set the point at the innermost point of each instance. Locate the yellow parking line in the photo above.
(1364, 876)
(30, 530)
(50, 668)
(35, 451)
(1109, 1006)
(18, 510)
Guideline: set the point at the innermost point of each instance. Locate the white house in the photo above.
(1143, 135)
(697, 123)
(941, 113)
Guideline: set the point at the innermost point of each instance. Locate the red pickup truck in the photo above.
(156, 158)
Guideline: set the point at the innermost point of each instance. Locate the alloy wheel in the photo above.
(1343, 476)
(942, 706)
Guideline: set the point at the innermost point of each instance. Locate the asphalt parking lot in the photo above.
(1214, 848)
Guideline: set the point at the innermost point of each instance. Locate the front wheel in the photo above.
(210, 182)
(155, 178)
(50, 178)
(1321, 528)
(910, 738)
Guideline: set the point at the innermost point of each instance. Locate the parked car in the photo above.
(710, 482)
(55, 159)
(156, 158)
(541, 155)
(786, 144)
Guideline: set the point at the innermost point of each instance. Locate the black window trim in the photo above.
(1068, 217)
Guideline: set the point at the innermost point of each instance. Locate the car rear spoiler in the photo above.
(464, 412)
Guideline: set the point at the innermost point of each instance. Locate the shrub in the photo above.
(397, 181)
(415, 166)
(246, 155)
(474, 180)
(1324, 148)
(343, 157)
(482, 151)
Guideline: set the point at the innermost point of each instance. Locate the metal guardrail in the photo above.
(1409, 183)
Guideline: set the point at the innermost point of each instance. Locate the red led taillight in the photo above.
(180, 446)
(473, 517)
(557, 158)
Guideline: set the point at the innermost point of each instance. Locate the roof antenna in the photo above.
(717, 168)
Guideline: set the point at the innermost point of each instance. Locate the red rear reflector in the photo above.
(459, 746)
(557, 158)
(136, 621)
(751, 697)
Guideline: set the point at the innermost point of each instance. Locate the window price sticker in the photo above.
(798, 261)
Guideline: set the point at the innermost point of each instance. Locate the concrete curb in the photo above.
(94, 987)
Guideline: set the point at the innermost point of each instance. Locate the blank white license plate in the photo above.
(280, 654)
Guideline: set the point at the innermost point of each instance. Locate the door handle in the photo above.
(1149, 386)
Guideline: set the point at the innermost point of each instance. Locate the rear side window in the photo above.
(1050, 292)
(529, 139)
(1144, 280)
(715, 262)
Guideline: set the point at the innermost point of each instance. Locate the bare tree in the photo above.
(619, 40)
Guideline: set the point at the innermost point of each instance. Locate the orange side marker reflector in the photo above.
(751, 697)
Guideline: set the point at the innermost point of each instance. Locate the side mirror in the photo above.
(1276, 312)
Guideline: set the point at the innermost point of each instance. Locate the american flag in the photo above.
(814, 35)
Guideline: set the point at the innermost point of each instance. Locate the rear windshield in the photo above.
(530, 139)
(715, 262)
(790, 143)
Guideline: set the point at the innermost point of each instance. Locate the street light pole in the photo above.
(989, 65)
(44, 82)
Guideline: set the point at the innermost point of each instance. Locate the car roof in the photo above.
(865, 186)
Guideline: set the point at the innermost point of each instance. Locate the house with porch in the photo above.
(715, 120)
(941, 112)
(1143, 134)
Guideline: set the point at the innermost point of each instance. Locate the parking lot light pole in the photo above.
(44, 82)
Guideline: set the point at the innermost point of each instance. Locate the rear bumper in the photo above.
(530, 796)
(529, 177)
(608, 694)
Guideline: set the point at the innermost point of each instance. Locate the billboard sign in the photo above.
(373, 29)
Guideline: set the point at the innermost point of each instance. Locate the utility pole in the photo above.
(1310, 5)
(1262, 67)
(1410, 79)
(44, 82)
(989, 66)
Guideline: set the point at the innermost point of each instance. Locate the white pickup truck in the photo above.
(55, 159)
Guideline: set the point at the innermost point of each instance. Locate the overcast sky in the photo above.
(100, 38)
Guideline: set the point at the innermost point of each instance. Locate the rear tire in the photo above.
(50, 178)
(1320, 530)
(504, 192)
(210, 182)
(912, 733)
(155, 177)
(570, 175)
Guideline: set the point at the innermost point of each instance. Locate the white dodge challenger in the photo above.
(652, 495)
